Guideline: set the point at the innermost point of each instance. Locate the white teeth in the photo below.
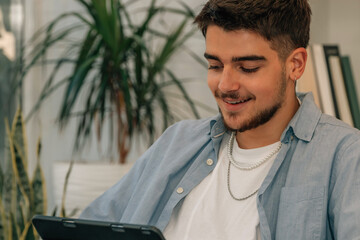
(236, 102)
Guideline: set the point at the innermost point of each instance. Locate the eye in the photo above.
(249, 70)
(214, 67)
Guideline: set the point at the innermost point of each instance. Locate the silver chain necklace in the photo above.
(244, 166)
(229, 189)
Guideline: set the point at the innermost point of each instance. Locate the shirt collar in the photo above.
(302, 125)
(217, 127)
(305, 120)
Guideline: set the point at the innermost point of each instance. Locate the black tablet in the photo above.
(56, 228)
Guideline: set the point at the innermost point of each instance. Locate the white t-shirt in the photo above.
(209, 212)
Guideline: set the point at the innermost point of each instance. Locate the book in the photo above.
(332, 50)
(308, 82)
(339, 89)
(351, 90)
(323, 82)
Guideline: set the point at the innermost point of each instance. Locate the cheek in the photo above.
(268, 89)
(212, 82)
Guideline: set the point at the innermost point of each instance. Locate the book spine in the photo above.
(351, 90)
(332, 50)
(340, 92)
(322, 74)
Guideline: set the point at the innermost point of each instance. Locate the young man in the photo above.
(270, 166)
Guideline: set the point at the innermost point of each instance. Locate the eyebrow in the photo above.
(237, 59)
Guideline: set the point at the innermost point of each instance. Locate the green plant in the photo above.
(116, 69)
(20, 197)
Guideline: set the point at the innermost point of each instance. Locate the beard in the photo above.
(260, 117)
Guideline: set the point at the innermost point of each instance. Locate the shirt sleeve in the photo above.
(344, 196)
(111, 205)
(138, 192)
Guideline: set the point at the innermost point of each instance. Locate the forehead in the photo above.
(238, 43)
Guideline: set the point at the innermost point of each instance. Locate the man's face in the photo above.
(246, 77)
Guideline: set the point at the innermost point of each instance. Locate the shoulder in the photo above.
(189, 128)
(336, 129)
(311, 125)
(341, 139)
(186, 135)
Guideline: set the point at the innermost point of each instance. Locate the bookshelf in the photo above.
(335, 22)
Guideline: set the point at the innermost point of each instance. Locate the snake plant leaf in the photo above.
(9, 188)
(39, 186)
(21, 192)
(18, 137)
(17, 198)
(18, 156)
(28, 232)
(13, 196)
(22, 213)
(3, 222)
(1, 180)
(15, 231)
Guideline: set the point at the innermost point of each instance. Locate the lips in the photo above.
(234, 105)
(234, 102)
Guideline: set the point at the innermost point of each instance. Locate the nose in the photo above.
(228, 80)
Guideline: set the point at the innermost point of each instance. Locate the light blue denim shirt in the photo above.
(312, 191)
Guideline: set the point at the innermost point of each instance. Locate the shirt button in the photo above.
(180, 190)
(209, 162)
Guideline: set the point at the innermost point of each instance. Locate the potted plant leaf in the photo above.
(115, 68)
(20, 196)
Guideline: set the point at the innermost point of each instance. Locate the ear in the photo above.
(296, 63)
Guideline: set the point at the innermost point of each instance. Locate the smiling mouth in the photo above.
(234, 102)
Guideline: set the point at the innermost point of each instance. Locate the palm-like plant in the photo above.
(116, 68)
